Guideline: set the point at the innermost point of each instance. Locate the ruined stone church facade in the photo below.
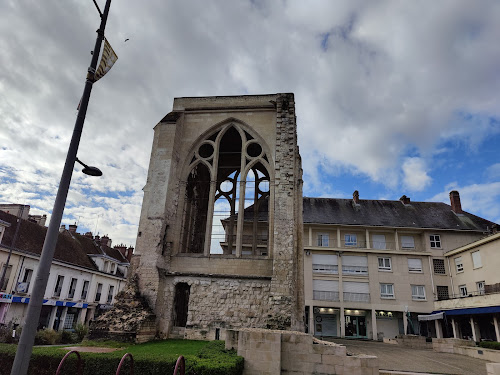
(220, 234)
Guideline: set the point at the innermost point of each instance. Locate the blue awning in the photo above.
(474, 310)
(52, 302)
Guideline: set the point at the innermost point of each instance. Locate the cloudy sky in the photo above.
(392, 97)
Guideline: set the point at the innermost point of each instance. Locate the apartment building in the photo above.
(472, 309)
(85, 276)
(372, 266)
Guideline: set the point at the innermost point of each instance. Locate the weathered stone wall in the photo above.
(279, 301)
(287, 352)
(223, 303)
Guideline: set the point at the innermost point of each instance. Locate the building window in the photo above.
(480, 287)
(323, 240)
(435, 241)
(462, 290)
(59, 284)
(384, 264)
(379, 241)
(110, 293)
(72, 288)
(476, 259)
(350, 240)
(113, 268)
(414, 265)
(326, 290)
(237, 164)
(386, 290)
(24, 285)
(418, 292)
(85, 290)
(354, 265)
(7, 276)
(442, 292)
(98, 293)
(439, 266)
(459, 265)
(325, 263)
(407, 242)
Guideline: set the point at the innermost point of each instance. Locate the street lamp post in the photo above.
(25, 346)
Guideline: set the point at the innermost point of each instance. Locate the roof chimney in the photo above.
(62, 228)
(456, 206)
(404, 199)
(105, 241)
(130, 251)
(72, 228)
(355, 197)
(88, 234)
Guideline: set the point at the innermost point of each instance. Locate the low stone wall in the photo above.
(493, 368)
(414, 342)
(449, 345)
(287, 352)
(481, 353)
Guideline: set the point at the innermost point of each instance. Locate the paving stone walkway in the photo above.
(397, 358)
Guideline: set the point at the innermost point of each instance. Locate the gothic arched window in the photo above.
(226, 198)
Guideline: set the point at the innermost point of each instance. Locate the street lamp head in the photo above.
(88, 170)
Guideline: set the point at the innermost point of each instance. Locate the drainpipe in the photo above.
(451, 278)
(432, 276)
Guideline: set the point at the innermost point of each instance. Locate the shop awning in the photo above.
(433, 316)
(473, 310)
(52, 302)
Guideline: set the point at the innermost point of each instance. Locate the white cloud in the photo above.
(370, 84)
(481, 199)
(415, 175)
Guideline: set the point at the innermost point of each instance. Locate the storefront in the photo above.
(355, 324)
(325, 321)
(5, 301)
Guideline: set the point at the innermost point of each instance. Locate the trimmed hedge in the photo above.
(212, 359)
(490, 345)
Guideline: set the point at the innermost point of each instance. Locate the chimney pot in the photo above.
(355, 197)
(456, 206)
(130, 251)
(72, 228)
(62, 228)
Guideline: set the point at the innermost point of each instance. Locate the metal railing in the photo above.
(460, 295)
(122, 361)
(356, 297)
(79, 370)
(354, 270)
(320, 295)
(326, 268)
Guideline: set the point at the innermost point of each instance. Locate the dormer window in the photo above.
(113, 268)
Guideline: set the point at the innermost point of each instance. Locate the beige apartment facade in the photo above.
(473, 307)
(371, 267)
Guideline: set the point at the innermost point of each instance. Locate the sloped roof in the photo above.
(70, 248)
(390, 214)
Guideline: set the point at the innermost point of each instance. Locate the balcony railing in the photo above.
(326, 268)
(374, 245)
(356, 297)
(460, 295)
(354, 270)
(22, 287)
(325, 296)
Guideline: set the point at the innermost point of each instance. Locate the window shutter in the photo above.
(355, 287)
(352, 260)
(414, 264)
(407, 242)
(325, 259)
(476, 259)
(326, 285)
(378, 241)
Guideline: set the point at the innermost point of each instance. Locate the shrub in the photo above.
(47, 337)
(81, 331)
(6, 334)
(68, 337)
(490, 345)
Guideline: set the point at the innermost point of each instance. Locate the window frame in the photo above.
(480, 287)
(384, 267)
(320, 240)
(85, 289)
(71, 294)
(353, 239)
(111, 289)
(387, 295)
(416, 296)
(421, 270)
(459, 264)
(435, 241)
(98, 292)
(462, 290)
(403, 242)
(57, 287)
